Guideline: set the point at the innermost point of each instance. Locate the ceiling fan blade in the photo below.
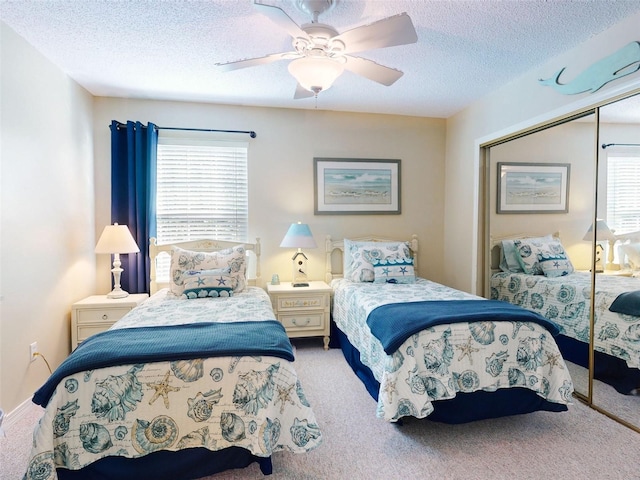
(280, 18)
(388, 32)
(302, 92)
(252, 62)
(372, 70)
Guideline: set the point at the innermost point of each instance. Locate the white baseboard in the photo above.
(16, 414)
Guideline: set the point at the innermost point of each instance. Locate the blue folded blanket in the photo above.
(627, 303)
(127, 346)
(393, 323)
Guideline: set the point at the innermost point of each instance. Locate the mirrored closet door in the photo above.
(616, 385)
(599, 231)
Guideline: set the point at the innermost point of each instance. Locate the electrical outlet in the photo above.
(33, 351)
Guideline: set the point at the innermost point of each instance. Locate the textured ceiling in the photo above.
(167, 49)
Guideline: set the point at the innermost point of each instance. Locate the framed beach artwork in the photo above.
(533, 187)
(356, 186)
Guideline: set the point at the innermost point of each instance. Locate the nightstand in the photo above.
(304, 311)
(97, 313)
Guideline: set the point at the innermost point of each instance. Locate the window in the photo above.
(202, 191)
(623, 191)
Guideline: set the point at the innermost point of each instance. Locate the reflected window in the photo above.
(623, 191)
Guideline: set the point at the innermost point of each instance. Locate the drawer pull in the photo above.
(299, 324)
(105, 317)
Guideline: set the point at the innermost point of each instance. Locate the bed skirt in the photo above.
(464, 407)
(608, 369)
(166, 465)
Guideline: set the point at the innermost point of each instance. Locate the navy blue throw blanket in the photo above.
(393, 323)
(627, 303)
(127, 346)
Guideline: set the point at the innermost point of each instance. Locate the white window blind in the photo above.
(202, 192)
(623, 191)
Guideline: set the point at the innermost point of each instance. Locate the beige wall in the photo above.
(281, 172)
(47, 214)
(517, 106)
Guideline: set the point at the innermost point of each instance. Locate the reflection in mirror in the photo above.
(616, 387)
(562, 298)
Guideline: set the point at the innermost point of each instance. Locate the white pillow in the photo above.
(632, 251)
(182, 261)
(359, 257)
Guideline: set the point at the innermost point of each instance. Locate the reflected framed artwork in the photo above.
(356, 186)
(533, 187)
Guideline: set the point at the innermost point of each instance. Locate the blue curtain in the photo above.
(133, 195)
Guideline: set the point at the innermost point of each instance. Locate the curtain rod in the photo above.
(251, 133)
(606, 145)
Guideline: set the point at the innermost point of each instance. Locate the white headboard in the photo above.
(332, 246)
(205, 245)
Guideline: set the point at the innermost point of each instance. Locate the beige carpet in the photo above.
(577, 444)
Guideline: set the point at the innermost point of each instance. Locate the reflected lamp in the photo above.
(602, 234)
(299, 236)
(116, 239)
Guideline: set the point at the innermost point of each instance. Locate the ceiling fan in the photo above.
(321, 54)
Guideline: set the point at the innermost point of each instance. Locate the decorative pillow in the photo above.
(540, 256)
(182, 261)
(553, 260)
(632, 251)
(394, 271)
(361, 255)
(207, 283)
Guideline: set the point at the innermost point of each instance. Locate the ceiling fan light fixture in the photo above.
(316, 73)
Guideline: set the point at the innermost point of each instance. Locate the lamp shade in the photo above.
(603, 232)
(316, 73)
(116, 239)
(298, 236)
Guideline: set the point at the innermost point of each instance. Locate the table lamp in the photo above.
(299, 236)
(116, 239)
(603, 233)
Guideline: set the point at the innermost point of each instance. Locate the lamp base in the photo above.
(117, 293)
(299, 284)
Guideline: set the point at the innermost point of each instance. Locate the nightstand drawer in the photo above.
(297, 302)
(109, 316)
(85, 331)
(303, 321)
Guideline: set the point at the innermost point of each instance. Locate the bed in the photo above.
(480, 359)
(566, 299)
(196, 380)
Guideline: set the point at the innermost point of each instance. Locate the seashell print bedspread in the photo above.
(438, 362)
(566, 301)
(252, 402)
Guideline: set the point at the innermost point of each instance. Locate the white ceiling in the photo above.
(168, 49)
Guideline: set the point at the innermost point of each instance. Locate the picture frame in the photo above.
(533, 187)
(356, 186)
